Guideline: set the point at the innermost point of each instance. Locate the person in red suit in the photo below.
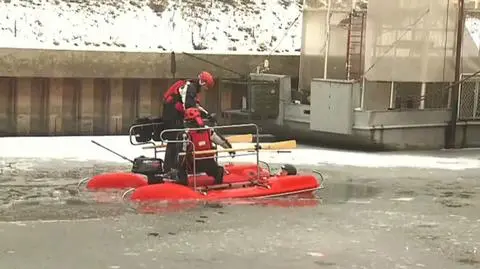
(201, 140)
(182, 95)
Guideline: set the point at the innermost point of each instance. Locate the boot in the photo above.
(219, 177)
(181, 177)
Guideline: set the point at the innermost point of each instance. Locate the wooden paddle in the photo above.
(289, 144)
(243, 138)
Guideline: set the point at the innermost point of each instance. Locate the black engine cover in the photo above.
(144, 165)
(151, 167)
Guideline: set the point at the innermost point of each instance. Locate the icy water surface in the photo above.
(364, 218)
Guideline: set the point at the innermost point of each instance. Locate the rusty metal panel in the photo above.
(7, 106)
(159, 86)
(39, 99)
(71, 105)
(101, 113)
(86, 106)
(131, 91)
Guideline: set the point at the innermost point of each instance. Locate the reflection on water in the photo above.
(331, 194)
(300, 200)
(64, 203)
(343, 192)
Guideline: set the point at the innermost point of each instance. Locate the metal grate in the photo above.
(468, 108)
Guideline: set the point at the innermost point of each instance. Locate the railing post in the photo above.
(475, 101)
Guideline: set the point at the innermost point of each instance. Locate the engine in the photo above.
(151, 167)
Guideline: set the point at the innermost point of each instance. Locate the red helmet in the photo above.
(193, 114)
(206, 79)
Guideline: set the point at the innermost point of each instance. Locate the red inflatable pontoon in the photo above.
(240, 180)
(234, 173)
(269, 187)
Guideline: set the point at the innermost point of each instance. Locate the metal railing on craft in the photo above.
(194, 152)
(184, 139)
(140, 125)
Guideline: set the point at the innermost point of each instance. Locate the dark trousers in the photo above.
(172, 119)
(208, 166)
(171, 152)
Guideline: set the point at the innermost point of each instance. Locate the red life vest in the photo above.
(201, 140)
(168, 96)
(173, 95)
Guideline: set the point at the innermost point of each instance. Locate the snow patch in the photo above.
(215, 26)
(81, 149)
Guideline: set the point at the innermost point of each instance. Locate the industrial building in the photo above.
(380, 76)
(374, 74)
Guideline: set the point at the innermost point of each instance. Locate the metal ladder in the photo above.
(355, 46)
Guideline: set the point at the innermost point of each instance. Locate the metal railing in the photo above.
(131, 134)
(184, 132)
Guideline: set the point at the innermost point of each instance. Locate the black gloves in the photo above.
(211, 118)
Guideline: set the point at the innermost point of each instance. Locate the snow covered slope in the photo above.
(210, 26)
(242, 26)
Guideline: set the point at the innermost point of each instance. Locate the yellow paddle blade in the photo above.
(289, 144)
(244, 138)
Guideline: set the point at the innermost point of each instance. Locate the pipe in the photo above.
(391, 103)
(451, 132)
(327, 40)
(410, 126)
(398, 126)
(362, 95)
(422, 95)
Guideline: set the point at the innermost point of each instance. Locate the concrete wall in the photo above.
(427, 137)
(468, 134)
(71, 106)
(404, 129)
(400, 118)
(63, 92)
(97, 64)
